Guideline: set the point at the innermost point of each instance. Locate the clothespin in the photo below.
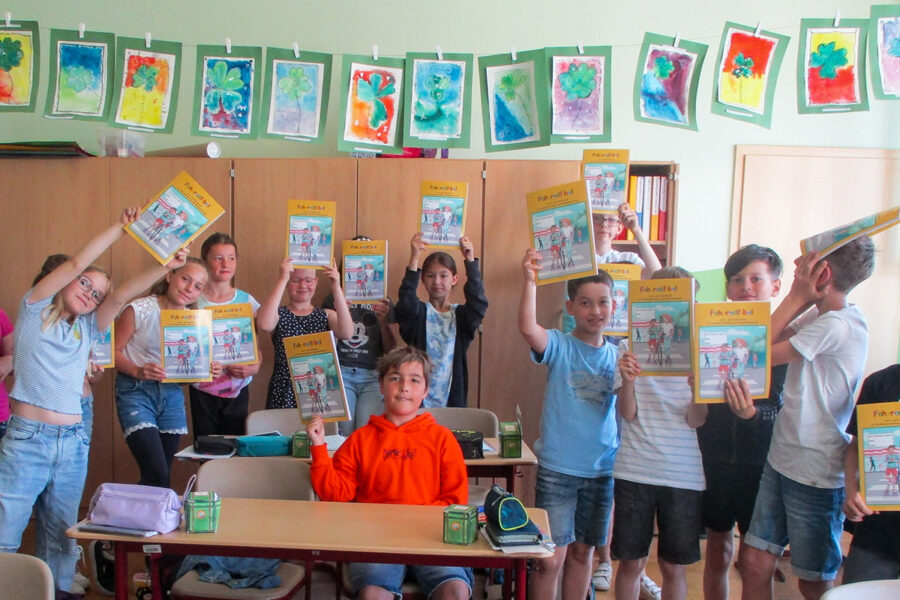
(837, 18)
(148, 39)
(580, 47)
(8, 19)
(296, 49)
(81, 31)
(758, 27)
(227, 45)
(375, 52)
(514, 54)
(677, 39)
(440, 52)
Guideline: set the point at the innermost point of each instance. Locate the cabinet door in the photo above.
(262, 188)
(389, 204)
(132, 182)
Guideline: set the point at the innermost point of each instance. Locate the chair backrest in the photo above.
(26, 577)
(479, 419)
(284, 420)
(271, 477)
(865, 590)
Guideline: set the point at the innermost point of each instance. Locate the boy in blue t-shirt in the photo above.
(578, 437)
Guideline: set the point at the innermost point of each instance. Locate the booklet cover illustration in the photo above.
(659, 319)
(365, 270)
(310, 234)
(828, 241)
(442, 217)
(316, 377)
(606, 174)
(103, 354)
(233, 334)
(621, 274)
(879, 454)
(186, 344)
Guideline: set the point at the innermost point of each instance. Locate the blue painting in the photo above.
(81, 82)
(296, 98)
(513, 106)
(437, 101)
(226, 104)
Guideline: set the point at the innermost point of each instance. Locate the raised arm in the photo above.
(339, 319)
(806, 289)
(534, 334)
(630, 220)
(267, 316)
(626, 405)
(416, 248)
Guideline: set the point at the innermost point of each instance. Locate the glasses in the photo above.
(87, 285)
(608, 221)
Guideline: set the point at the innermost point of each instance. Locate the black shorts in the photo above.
(730, 494)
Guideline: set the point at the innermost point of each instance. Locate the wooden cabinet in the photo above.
(665, 250)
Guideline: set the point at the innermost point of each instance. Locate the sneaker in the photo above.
(649, 589)
(602, 576)
(77, 589)
(81, 580)
(104, 567)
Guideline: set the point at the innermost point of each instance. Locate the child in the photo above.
(802, 485)
(577, 443)
(658, 474)
(151, 412)
(442, 329)
(220, 406)
(398, 458)
(875, 549)
(735, 438)
(43, 456)
(299, 317)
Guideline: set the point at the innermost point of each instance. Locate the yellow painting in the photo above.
(16, 67)
(146, 89)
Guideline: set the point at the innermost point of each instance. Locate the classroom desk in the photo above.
(322, 531)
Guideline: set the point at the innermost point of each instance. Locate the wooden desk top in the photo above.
(327, 526)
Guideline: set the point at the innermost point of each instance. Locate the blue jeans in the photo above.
(43, 466)
(578, 507)
(363, 397)
(87, 415)
(390, 577)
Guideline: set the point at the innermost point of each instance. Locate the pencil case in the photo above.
(263, 445)
(136, 507)
(470, 442)
(504, 510)
(214, 444)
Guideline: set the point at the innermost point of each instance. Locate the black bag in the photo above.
(214, 444)
(470, 442)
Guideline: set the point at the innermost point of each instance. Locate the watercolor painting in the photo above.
(80, 69)
(227, 94)
(732, 352)
(832, 61)
(19, 64)
(515, 101)
(372, 98)
(885, 52)
(579, 95)
(295, 96)
(147, 84)
(438, 92)
(666, 81)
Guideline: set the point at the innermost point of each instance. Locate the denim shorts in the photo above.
(808, 517)
(578, 507)
(147, 403)
(390, 577)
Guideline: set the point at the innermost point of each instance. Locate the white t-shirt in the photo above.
(143, 347)
(809, 439)
(617, 256)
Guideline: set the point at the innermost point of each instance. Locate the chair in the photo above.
(865, 590)
(284, 420)
(26, 577)
(269, 477)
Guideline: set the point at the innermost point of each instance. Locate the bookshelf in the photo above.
(665, 250)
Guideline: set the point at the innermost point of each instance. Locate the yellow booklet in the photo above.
(659, 319)
(233, 334)
(103, 353)
(365, 270)
(732, 340)
(606, 174)
(621, 274)
(310, 233)
(442, 214)
(316, 377)
(828, 241)
(186, 345)
(879, 454)
(174, 218)
(562, 231)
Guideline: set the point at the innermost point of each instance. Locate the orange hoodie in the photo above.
(419, 462)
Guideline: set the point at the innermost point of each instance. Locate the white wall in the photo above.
(488, 27)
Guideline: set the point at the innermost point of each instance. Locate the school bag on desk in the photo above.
(508, 523)
(134, 506)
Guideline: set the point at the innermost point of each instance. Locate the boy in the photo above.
(400, 457)
(735, 438)
(577, 442)
(658, 473)
(802, 485)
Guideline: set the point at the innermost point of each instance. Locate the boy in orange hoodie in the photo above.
(400, 457)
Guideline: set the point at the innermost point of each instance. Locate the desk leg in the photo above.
(155, 577)
(521, 579)
(121, 570)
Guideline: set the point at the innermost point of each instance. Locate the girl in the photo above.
(43, 456)
(299, 317)
(151, 412)
(220, 406)
(442, 329)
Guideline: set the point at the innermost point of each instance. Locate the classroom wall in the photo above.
(705, 158)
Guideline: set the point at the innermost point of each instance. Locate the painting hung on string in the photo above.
(80, 70)
(884, 51)
(20, 49)
(295, 99)
(227, 93)
(438, 92)
(831, 66)
(371, 103)
(146, 84)
(748, 66)
(580, 94)
(665, 87)
(515, 106)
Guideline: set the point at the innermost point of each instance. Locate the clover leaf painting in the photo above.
(372, 98)
(295, 97)
(438, 94)
(884, 51)
(146, 84)
(19, 63)
(515, 100)
(227, 93)
(80, 71)
(666, 81)
(831, 69)
(580, 94)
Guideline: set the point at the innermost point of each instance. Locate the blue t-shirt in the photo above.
(578, 424)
